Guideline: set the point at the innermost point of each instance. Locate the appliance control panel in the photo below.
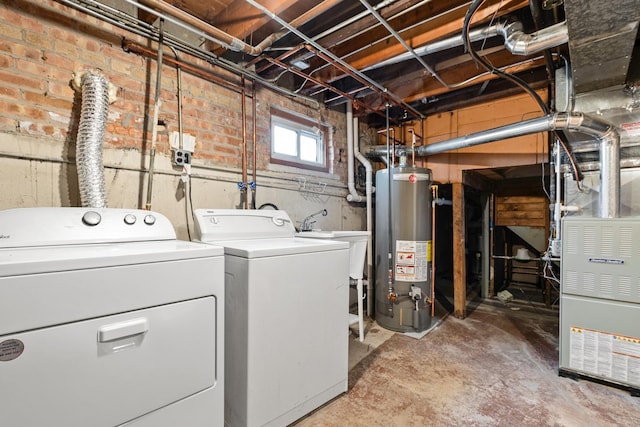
(24, 227)
(234, 224)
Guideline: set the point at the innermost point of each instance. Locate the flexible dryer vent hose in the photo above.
(96, 93)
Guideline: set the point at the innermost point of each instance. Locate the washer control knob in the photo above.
(91, 218)
(149, 219)
(129, 219)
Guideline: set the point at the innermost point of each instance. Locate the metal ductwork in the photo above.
(606, 133)
(519, 43)
(95, 91)
(515, 40)
(601, 39)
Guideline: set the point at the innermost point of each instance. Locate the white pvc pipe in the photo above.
(353, 195)
(369, 192)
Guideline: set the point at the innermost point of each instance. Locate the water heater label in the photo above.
(411, 261)
(605, 354)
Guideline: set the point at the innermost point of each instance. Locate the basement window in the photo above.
(298, 141)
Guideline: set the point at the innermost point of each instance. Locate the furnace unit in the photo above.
(600, 300)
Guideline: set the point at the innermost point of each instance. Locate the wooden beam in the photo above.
(439, 21)
(459, 257)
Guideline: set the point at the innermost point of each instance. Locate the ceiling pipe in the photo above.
(403, 43)
(128, 23)
(520, 43)
(384, 91)
(515, 40)
(225, 39)
(606, 133)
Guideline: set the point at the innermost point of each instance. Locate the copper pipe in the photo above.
(282, 57)
(131, 46)
(244, 146)
(321, 83)
(217, 34)
(229, 41)
(254, 111)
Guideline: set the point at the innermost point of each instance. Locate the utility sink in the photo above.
(357, 246)
(357, 251)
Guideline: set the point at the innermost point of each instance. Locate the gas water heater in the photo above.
(403, 249)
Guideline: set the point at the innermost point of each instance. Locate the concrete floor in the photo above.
(498, 367)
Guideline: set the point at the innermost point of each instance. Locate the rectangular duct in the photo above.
(601, 39)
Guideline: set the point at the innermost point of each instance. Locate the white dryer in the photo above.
(286, 330)
(107, 320)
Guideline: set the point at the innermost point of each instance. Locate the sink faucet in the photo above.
(307, 223)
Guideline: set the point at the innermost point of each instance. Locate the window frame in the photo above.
(302, 126)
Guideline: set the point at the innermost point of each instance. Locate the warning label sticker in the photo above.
(632, 128)
(411, 263)
(605, 354)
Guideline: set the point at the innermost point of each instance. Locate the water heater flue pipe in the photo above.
(97, 94)
(606, 133)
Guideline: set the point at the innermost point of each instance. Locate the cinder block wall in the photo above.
(42, 45)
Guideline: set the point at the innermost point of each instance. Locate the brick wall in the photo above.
(42, 45)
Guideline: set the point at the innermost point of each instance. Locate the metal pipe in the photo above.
(519, 43)
(131, 46)
(209, 31)
(156, 111)
(243, 112)
(126, 22)
(389, 220)
(336, 59)
(402, 42)
(516, 41)
(254, 116)
(605, 132)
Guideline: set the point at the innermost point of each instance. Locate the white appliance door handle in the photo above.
(124, 329)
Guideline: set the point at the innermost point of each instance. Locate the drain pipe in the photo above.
(97, 94)
(369, 192)
(606, 133)
(353, 195)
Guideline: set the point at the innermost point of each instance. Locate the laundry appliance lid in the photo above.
(256, 233)
(259, 248)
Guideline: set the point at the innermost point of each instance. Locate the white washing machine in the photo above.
(107, 320)
(286, 330)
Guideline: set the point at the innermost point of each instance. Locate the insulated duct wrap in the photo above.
(93, 117)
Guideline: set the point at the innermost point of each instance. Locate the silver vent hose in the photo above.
(95, 91)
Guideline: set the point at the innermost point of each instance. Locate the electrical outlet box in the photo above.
(181, 157)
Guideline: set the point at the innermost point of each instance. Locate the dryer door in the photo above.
(109, 370)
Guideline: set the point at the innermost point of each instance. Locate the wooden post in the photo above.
(459, 257)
